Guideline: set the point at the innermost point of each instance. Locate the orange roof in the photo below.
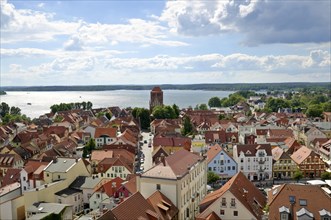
(110, 132)
(156, 89)
(301, 154)
(212, 152)
(238, 186)
(134, 207)
(162, 205)
(316, 199)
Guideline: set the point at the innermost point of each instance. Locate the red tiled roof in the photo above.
(316, 199)
(111, 186)
(162, 205)
(110, 132)
(301, 154)
(212, 152)
(156, 89)
(12, 176)
(243, 190)
(252, 148)
(135, 207)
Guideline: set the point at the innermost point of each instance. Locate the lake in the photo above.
(41, 101)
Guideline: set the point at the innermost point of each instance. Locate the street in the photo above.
(146, 141)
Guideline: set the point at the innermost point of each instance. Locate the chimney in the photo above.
(163, 159)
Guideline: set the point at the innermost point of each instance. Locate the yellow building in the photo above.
(181, 177)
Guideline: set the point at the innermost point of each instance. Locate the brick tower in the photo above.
(156, 98)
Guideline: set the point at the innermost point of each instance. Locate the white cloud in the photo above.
(29, 25)
(22, 25)
(260, 21)
(41, 5)
(94, 65)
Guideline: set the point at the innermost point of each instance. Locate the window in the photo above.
(187, 212)
(235, 213)
(303, 202)
(233, 202)
(209, 168)
(292, 199)
(58, 176)
(59, 201)
(98, 196)
(158, 187)
(24, 178)
(24, 187)
(223, 204)
(233, 167)
(222, 212)
(283, 216)
(47, 174)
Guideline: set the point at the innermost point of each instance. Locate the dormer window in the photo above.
(284, 213)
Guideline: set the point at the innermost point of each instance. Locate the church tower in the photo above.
(156, 98)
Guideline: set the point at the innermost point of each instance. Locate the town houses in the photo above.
(101, 164)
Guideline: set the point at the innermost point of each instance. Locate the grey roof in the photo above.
(38, 216)
(304, 211)
(55, 208)
(323, 125)
(284, 209)
(85, 182)
(67, 192)
(61, 165)
(323, 212)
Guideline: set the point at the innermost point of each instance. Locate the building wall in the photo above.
(76, 200)
(96, 199)
(243, 213)
(252, 168)
(216, 165)
(114, 171)
(13, 209)
(78, 169)
(186, 193)
(284, 168)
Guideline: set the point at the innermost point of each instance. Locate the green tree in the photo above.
(164, 112)
(212, 177)
(214, 102)
(203, 107)
(4, 109)
(108, 115)
(314, 110)
(143, 115)
(298, 175)
(275, 104)
(187, 126)
(326, 176)
(327, 106)
(15, 110)
(176, 110)
(90, 146)
(89, 105)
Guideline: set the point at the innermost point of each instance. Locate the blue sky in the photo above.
(159, 42)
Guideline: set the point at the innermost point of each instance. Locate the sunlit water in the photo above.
(41, 101)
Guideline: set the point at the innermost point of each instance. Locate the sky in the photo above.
(164, 42)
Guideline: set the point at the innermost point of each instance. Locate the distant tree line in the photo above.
(3, 93)
(294, 86)
(70, 106)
